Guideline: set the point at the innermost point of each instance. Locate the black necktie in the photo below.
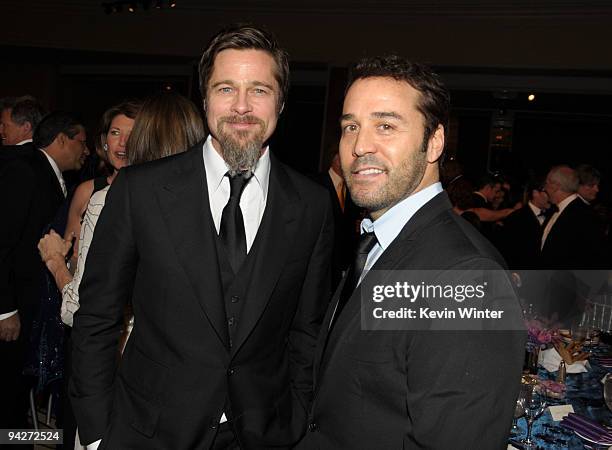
(231, 230)
(366, 243)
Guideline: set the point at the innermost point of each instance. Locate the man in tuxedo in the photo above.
(19, 117)
(224, 253)
(408, 389)
(32, 189)
(522, 230)
(572, 240)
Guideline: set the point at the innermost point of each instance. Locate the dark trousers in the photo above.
(14, 388)
(225, 438)
(65, 415)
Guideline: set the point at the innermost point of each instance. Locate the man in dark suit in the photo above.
(19, 117)
(224, 253)
(572, 240)
(347, 217)
(408, 389)
(37, 179)
(522, 230)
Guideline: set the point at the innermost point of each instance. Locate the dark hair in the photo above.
(167, 123)
(128, 108)
(7, 103)
(434, 101)
(27, 109)
(588, 175)
(53, 124)
(534, 183)
(246, 37)
(489, 179)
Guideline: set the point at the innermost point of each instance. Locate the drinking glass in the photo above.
(535, 404)
(519, 411)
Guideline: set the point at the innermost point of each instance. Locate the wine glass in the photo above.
(535, 405)
(519, 411)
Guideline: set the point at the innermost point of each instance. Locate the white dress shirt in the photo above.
(25, 141)
(537, 212)
(254, 196)
(562, 205)
(58, 173)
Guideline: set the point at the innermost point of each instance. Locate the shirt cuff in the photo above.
(7, 315)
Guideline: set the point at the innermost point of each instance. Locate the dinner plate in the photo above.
(582, 436)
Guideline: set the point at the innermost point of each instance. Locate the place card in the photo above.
(558, 412)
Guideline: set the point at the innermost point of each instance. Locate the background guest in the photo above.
(166, 124)
(31, 191)
(115, 128)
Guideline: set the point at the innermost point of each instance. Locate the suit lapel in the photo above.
(50, 179)
(278, 229)
(183, 200)
(398, 254)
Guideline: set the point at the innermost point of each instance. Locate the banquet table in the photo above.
(585, 394)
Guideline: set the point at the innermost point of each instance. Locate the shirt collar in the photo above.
(54, 166)
(389, 225)
(566, 201)
(25, 141)
(216, 168)
(482, 195)
(535, 209)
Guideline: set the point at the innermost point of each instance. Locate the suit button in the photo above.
(235, 299)
(231, 371)
(230, 321)
(312, 427)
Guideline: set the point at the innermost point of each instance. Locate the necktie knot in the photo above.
(238, 182)
(366, 242)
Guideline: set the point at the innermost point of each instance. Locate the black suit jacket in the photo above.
(574, 248)
(10, 152)
(521, 239)
(576, 240)
(418, 389)
(30, 195)
(155, 244)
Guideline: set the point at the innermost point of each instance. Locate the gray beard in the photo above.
(240, 156)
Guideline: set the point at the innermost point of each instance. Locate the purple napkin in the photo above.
(587, 428)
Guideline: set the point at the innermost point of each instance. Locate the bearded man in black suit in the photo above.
(410, 389)
(32, 189)
(224, 253)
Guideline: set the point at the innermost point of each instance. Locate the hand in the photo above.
(9, 328)
(52, 246)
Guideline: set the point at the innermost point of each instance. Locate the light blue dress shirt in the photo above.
(388, 226)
